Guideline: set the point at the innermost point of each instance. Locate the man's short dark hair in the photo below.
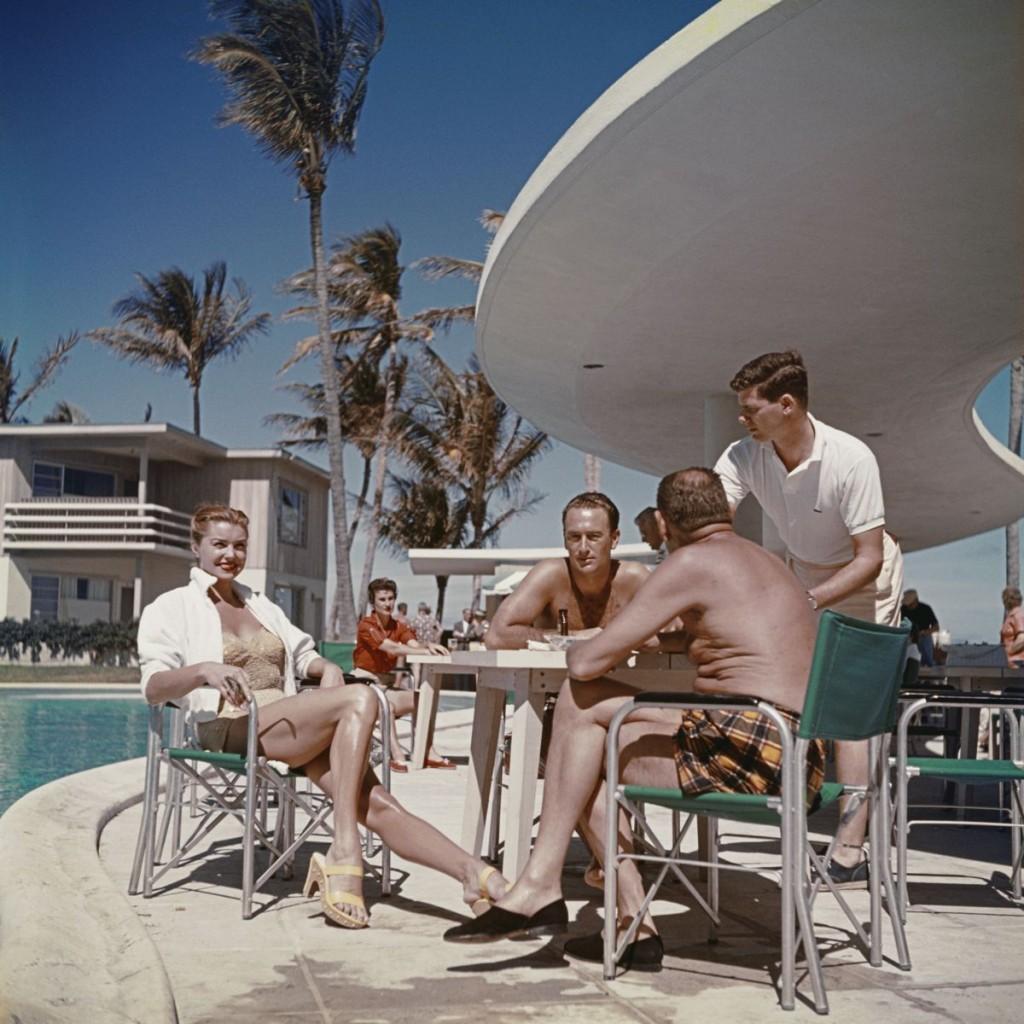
(594, 499)
(692, 498)
(381, 583)
(1011, 598)
(644, 513)
(774, 374)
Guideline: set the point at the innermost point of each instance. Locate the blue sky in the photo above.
(111, 163)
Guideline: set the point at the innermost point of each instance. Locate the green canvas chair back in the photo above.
(855, 678)
(339, 653)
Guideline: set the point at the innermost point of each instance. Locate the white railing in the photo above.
(96, 524)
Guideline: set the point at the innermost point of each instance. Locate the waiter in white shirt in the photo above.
(821, 489)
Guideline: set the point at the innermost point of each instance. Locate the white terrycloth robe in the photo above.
(182, 627)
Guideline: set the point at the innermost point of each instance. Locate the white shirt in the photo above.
(182, 627)
(833, 495)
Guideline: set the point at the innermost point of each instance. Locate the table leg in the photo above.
(484, 742)
(426, 714)
(968, 744)
(527, 726)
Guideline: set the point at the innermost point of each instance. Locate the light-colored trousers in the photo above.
(878, 601)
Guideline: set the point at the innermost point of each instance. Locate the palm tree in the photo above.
(436, 268)
(1016, 418)
(66, 412)
(422, 514)
(170, 325)
(297, 73)
(364, 277)
(460, 434)
(362, 408)
(50, 362)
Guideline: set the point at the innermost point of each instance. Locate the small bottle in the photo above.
(563, 621)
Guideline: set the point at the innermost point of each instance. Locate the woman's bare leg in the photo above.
(331, 727)
(411, 837)
(402, 703)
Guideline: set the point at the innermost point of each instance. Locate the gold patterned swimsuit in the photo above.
(262, 657)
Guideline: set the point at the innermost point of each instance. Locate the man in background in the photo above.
(922, 618)
(650, 531)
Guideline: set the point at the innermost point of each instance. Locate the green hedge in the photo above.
(106, 643)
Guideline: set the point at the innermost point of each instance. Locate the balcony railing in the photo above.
(94, 524)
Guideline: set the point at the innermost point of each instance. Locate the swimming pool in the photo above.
(49, 732)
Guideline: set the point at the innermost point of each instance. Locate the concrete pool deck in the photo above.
(74, 947)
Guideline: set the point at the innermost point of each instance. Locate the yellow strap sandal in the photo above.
(484, 903)
(331, 903)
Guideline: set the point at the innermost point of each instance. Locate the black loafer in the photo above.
(498, 923)
(643, 954)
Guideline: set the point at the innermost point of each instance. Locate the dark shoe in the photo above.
(640, 955)
(499, 923)
(855, 877)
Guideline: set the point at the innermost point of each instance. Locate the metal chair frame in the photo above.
(1009, 707)
(799, 883)
(219, 777)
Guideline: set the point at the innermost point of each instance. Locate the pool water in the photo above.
(48, 733)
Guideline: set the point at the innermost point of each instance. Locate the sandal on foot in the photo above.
(483, 902)
(332, 903)
(439, 762)
(594, 875)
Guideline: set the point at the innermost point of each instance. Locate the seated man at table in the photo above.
(750, 633)
(380, 639)
(589, 585)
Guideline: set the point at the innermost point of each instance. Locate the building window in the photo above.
(291, 516)
(88, 483)
(53, 481)
(47, 480)
(45, 597)
(87, 588)
(289, 600)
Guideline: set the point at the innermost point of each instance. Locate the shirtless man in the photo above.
(590, 585)
(715, 581)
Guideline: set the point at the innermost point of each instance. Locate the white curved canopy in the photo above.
(840, 176)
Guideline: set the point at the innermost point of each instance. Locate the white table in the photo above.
(529, 676)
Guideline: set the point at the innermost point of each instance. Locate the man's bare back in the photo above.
(750, 627)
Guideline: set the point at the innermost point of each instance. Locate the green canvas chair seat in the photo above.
(963, 770)
(748, 808)
(851, 659)
(955, 768)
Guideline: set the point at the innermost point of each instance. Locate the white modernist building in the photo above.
(96, 519)
(837, 176)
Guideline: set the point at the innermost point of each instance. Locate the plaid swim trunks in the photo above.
(738, 752)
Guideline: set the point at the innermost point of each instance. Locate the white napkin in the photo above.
(538, 645)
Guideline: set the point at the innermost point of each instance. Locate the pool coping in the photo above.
(71, 946)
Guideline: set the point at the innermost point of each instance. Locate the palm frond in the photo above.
(442, 319)
(436, 268)
(296, 74)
